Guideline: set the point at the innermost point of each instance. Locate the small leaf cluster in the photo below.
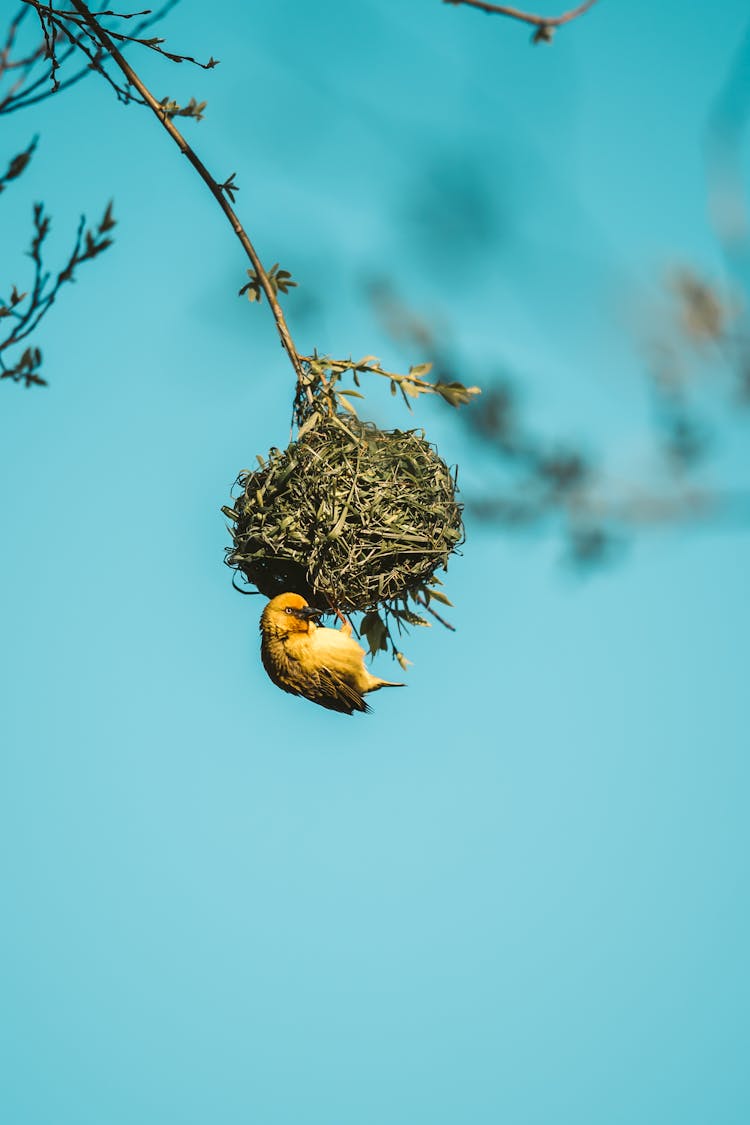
(531, 480)
(193, 109)
(279, 280)
(26, 369)
(376, 625)
(544, 33)
(230, 188)
(322, 373)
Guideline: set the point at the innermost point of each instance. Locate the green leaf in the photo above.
(456, 393)
(409, 389)
(438, 597)
(373, 628)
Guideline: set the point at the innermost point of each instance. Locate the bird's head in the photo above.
(288, 613)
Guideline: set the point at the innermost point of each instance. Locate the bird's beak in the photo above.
(308, 611)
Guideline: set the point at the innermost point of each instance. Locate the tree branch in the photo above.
(20, 95)
(24, 311)
(544, 23)
(101, 36)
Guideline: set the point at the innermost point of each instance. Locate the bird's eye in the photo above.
(287, 609)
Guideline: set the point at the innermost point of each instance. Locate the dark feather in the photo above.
(324, 688)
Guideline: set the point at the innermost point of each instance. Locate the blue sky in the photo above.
(518, 890)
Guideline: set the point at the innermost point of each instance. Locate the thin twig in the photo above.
(5, 60)
(526, 17)
(426, 605)
(106, 42)
(36, 91)
(24, 311)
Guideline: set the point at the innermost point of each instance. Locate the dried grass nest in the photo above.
(348, 515)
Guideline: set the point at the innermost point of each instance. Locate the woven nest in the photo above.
(348, 516)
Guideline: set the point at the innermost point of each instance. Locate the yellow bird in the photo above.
(304, 658)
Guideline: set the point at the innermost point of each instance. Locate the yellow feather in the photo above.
(303, 658)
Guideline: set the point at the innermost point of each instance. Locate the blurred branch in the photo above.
(533, 481)
(545, 25)
(726, 131)
(18, 164)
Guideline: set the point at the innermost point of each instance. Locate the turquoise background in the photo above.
(517, 892)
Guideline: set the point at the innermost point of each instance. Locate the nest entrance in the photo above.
(348, 516)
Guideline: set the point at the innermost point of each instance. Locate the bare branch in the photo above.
(106, 42)
(24, 311)
(23, 93)
(545, 25)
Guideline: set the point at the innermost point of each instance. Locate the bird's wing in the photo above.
(329, 690)
(321, 685)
